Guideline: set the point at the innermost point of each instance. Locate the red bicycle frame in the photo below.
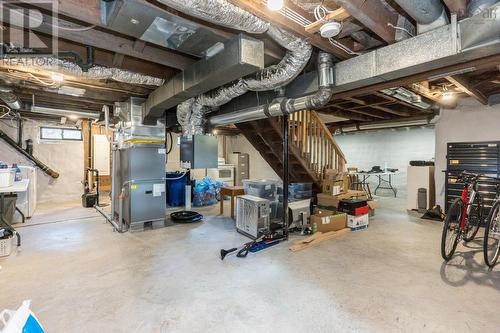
(466, 200)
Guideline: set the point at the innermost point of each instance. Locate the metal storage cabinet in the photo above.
(475, 157)
(241, 161)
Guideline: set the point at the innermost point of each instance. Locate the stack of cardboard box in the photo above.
(335, 186)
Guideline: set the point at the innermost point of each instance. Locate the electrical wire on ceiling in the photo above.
(57, 26)
(343, 47)
(399, 28)
(320, 13)
(45, 83)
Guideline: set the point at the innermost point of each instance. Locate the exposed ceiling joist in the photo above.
(373, 14)
(464, 84)
(456, 6)
(110, 42)
(348, 115)
(422, 88)
(91, 14)
(339, 15)
(485, 62)
(260, 10)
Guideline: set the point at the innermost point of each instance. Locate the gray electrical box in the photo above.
(199, 152)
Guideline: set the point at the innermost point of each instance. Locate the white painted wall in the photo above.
(396, 147)
(64, 157)
(471, 121)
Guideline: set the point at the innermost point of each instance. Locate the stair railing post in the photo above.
(285, 176)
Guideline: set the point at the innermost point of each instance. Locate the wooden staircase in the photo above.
(311, 145)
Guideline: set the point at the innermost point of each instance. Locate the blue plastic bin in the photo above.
(176, 188)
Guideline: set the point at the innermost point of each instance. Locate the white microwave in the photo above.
(224, 173)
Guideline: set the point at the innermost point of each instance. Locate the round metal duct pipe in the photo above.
(8, 97)
(423, 11)
(477, 6)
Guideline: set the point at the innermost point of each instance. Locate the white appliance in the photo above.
(252, 215)
(223, 173)
(26, 201)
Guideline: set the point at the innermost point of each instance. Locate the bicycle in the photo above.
(464, 216)
(491, 243)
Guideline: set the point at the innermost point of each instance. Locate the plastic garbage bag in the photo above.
(20, 321)
(206, 192)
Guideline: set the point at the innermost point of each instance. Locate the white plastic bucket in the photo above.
(7, 177)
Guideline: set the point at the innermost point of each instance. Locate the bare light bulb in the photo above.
(275, 4)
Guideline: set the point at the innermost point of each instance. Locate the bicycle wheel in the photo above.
(491, 244)
(474, 219)
(451, 229)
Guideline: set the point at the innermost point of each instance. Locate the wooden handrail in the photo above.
(329, 134)
(311, 137)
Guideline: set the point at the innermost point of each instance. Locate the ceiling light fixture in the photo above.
(448, 96)
(330, 29)
(275, 4)
(57, 77)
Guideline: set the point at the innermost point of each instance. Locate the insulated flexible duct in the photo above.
(223, 13)
(281, 106)
(69, 68)
(8, 97)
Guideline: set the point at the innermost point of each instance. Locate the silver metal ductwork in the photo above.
(283, 105)
(223, 13)
(478, 6)
(452, 44)
(483, 26)
(65, 112)
(273, 77)
(241, 56)
(8, 97)
(429, 14)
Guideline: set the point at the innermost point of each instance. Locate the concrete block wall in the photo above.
(396, 147)
(65, 157)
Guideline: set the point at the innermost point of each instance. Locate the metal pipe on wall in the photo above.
(285, 176)
(33, 159)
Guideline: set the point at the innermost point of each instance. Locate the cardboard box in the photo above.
(336, 186)
(328, 200)
(373, 204)
(327, 222)
(357, 221)
(331, 174)
(324, 210)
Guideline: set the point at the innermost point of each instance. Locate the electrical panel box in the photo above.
(199, 152)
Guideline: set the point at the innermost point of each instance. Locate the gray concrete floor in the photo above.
(83, 277)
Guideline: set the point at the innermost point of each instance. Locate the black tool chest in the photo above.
(474, 157)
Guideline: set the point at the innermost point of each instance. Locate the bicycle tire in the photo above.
(492, 224)
(451, 223)
(474, 220)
